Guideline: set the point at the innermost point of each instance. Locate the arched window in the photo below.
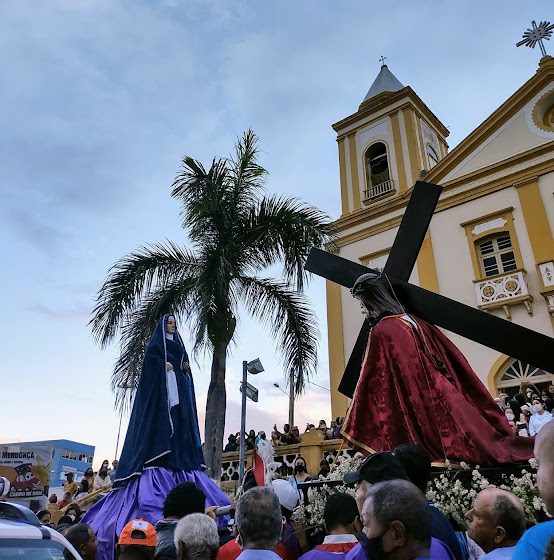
(379, 182)
(518, 371)
(432, 156)
(496, 254)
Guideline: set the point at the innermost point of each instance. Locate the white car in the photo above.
(22, 536)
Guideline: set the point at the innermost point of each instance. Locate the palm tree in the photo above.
(235, 233)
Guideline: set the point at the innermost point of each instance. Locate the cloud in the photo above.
(36, 231)
(61, 313)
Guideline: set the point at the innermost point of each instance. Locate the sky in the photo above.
(101, 99)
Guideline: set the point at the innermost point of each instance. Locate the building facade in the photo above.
(67, 456)
(490, 242)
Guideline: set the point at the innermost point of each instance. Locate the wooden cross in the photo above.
(491, 331)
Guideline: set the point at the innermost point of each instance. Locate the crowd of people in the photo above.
(529, 410)
(290, 435)
(74, 492)
(387, 518)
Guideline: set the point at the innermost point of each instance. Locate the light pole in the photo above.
(253, 367)
(127, 385)
(290, 395)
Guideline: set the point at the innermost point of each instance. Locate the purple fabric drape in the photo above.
(142, 497)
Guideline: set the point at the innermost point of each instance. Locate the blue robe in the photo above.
(162, 447)
(159, 435)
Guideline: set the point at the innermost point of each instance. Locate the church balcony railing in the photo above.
(502, 291)
(378, 191)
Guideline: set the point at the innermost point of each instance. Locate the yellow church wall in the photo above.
(455, 272)
(337, 362)
(546, 188)
(348, 174)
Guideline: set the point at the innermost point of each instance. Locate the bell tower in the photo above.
(390, 142)
(387, 144)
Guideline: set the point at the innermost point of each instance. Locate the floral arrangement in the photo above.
(454, 494)
(311, 514)
(452, 491)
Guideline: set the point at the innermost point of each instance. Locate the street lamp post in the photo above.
(253, 367)
(127, 385)
(291, 395)
(291, 400)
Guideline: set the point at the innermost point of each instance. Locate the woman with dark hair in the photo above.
(82, 490)
(44, 516)
(251, 440)
(299, 474)
(162, 447)
(89, 477)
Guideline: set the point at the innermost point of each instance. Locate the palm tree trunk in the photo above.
(215, 413)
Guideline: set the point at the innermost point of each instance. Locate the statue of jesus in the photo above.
(416, 386)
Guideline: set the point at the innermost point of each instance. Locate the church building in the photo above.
(490, 243)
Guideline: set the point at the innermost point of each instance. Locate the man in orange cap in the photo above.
(137, 541)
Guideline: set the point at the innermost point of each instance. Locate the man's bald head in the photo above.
(544, 453)
(497, 519)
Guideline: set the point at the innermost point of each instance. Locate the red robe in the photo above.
(416, 386)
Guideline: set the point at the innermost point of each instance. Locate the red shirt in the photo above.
(231, 551)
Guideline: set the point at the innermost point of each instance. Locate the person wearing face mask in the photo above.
(511, 417)
(539, 418)
(102, 481)
(524, 416)
(300, 474)
(375, 469)
(397, 525)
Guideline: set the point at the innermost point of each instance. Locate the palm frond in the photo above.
(290, 320)
(284, 230)
(177, 298)
(205, 197)
(133, 276)
(247, 176)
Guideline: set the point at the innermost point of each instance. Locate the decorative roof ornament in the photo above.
(536, 35)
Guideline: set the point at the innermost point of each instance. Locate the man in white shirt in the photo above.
(496, 523)
(539, 418)
(259, 524)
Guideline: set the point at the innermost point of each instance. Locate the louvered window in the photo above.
(497, 255)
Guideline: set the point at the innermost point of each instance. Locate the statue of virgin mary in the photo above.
(162, 446)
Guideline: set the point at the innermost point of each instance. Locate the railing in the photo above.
(503, 290)
(313, 447)
(377, 191)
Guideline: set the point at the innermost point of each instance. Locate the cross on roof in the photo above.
(491, 331)
(536, 35)
(382, 60)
